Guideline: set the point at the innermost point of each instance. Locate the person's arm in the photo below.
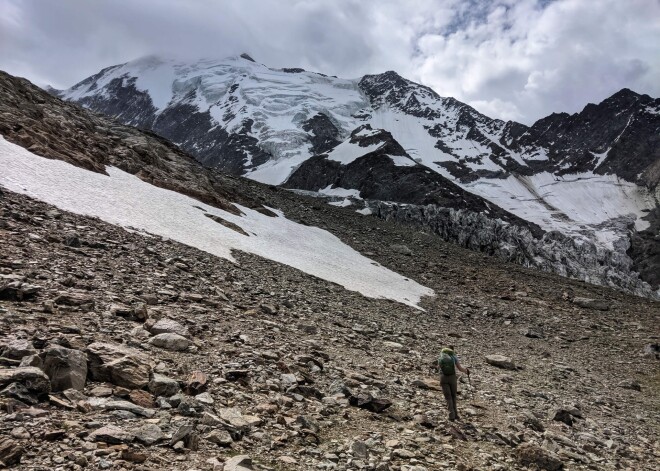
(461, 369)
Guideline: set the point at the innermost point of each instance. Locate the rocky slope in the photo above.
(592, 176)
(126, 350)
(122, 351)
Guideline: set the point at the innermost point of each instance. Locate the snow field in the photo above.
(127, 201)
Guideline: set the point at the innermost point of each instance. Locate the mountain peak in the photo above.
(247, 57)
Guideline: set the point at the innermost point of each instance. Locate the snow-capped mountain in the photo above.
(592, 176)
(90, 165)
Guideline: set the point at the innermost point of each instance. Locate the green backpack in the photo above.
(446, 364)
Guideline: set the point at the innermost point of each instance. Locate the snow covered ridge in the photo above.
(125, 200)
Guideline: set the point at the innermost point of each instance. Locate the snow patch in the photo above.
(338, 191)
(341, 204)
(127, 201)
(347, 152)
(402, 161)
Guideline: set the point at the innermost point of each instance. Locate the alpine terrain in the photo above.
(160, 311)
(572, 194)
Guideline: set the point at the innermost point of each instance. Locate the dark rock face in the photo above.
(645, 250)
(324, 134)
(377, 177)
(626, 124)
(124, 102)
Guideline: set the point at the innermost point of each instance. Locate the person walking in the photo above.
(448, 363)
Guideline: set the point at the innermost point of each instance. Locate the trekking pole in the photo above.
(470, 383)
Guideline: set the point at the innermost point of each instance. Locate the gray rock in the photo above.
(32, 360)
(74, 298)
(118, 364)
(532, 422)
(18, 290)
(66, 368)
(102, 403)
(402, 249)
(189, 406)
(20, 393)
(630, 384)
(563, 415)
(172, 342)
(500, 361)
(530, 455)
(219, 437)
(32, 378)
(149, 434)
(239, 463)
(111, 434)
(588, 303)
(16, 349)
(360, 450)
(268, 309)
(161, 385)
(10, 452)
(168, 326)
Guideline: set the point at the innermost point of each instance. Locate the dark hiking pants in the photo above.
(449, 386)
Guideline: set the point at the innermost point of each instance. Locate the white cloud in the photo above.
(525, 61)
(519, 59)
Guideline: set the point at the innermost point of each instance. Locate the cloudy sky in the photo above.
(511, 59)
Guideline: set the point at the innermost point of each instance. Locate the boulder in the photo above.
(168, 326)
(16, 349)
(149, 434)
(589, 303)
(500, 361)
(529, 420)
(531, 455)
(239, 463)
(18, 291)
(161, 385)
(563, 415)
(233, 417)
(368, 402)
(197, 382)
(401, 249)
(631, 384)
(20, 393)
(219, 437)
(172, 342)
(118, 364)
(112, 434)
(32, 378)
(74, 298)
(66, 368)
(268, 309)
(10, 452)
(142, 398)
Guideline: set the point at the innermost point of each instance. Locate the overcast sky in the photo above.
(510, 59)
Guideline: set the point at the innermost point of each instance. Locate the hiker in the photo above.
(447, 365)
